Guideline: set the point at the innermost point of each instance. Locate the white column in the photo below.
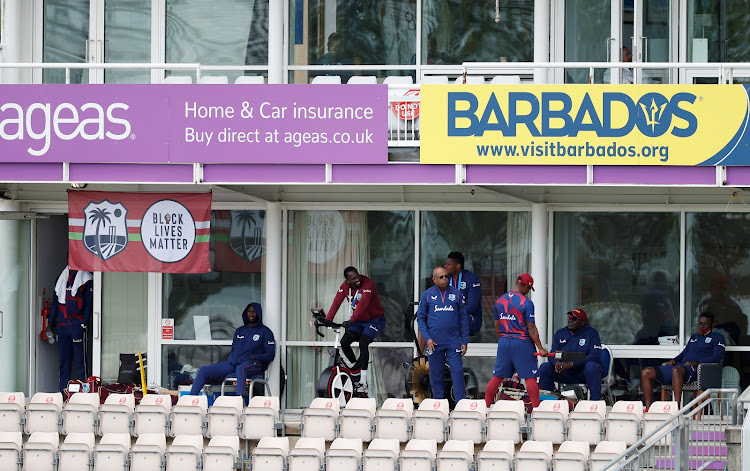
(272, 308)
(9, 284)
(12, 25)
(276, 46)
(541, 41)
(539, 232)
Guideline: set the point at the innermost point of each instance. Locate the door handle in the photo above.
(2, 324)
(88, 50)
(97, 325)
(609, 51)
(645, 48)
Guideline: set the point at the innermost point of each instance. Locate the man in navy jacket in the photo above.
(704, 347)
(578, 336)
(253, 348)
(470, 287)
(444, 324)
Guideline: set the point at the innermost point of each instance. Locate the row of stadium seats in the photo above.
(355, 79)
(470, 420)
(155, 414)
(347, 454)
(43, 452)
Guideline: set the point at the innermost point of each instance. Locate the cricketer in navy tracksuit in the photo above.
(471, 292)
(442, 317)
(700, 348)
(68, 318)
(253, 348)
(586, 340)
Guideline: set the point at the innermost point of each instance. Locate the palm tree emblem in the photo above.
(100, 216)
(247, 220)
(105, 232)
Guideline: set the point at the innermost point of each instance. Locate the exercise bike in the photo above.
(337, 380)
(417, 376)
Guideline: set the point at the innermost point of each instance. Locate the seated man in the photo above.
(703, 347)
(253, 348)
(578, 336)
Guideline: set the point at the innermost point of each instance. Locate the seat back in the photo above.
(214, 79)
(470, 80)
(571, 456)
(221, 453)
(250, 80)
(43, 413)
(223, 418)
(467, 421)
(533, 456)
(658, 413)
(456, 455)
(270, 454)
(345, 454)
(188, 416)
(381, 455)
(430, 420)
(40, 450)
(393, 419)
(586, 422)
(434, 79)
(148, 452)
(79, 414)
(623, 421)
(497, 455)
(111, 454)
(321, 418)
(184, 454)
(116, 413)
(308, 454)
(549, 421)
(152, 414)
(398, 80)
(629, 407)
(506, 419)
(326, 80)
(260, 418)
(357, 418)
(362, 80)
(272, 403)
(10, 450)
(506, 80)
(12, 409)
(418, 455)
(178, 79)
(604, 453)
(75, 452)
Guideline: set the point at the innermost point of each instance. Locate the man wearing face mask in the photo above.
(253, 349)
(704, 347)
(578, 336)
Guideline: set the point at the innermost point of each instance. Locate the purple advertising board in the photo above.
(268, 124)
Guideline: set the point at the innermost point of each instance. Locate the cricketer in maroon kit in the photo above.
(366, 322)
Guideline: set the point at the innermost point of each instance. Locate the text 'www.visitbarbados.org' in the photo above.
(556, 149)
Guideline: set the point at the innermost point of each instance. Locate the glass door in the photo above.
(121, 33)
(592, 30)
(650, 36)
(66, 34)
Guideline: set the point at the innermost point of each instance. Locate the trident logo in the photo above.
(653, 113)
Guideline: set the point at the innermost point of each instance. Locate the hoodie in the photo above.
(253, 343)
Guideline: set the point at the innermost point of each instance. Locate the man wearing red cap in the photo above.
(517, 340)
(578, 336)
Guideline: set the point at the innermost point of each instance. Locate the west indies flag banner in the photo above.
(139, 232)
(238, 240)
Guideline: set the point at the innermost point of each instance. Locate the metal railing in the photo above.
(693, 438)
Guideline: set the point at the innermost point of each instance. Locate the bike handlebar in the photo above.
(321, 321)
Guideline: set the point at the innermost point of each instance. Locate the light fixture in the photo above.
(79, 186)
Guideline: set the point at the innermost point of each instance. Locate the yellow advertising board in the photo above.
(585, 124)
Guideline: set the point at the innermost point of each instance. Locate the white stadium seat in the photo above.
(326, 79)
(623, 422)
(40, 451)
(506, 420)
(152, 414)
(534, 456)
(178, 79)
(188, 416)
(221, 453)
(112, 451)
(393, 419)
(497, 455)
(270, 454)
(321, 419)
(261, 418)
(470, 80)
(571, 456)
(223, 418)
(419, 455)
(456, 455)
(12, 409)
(398, 80)
(467, 420)
(658, 413)
(586, 422)
(344, 454)
(434, 79)
(214, 79)
(381, 455)
(430, 421)
(362, 80)
(506, 80)
(308, 454)
(11, 444)
(43, 413)
(604, 453)
(80, 413)
(116, 414)
(357, 418)
(249, 80)
(549, 421)
(75, 452)
(184, 454)
(148, 452)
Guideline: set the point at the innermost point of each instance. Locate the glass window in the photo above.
(496, 247)
(124, 319)
(66, 29)
(209, 306)
(220, 32)
(717, 31)
(380, 244)
(352, 32)
(623, 270)
(180, 363)
(455, 31)
(127, 26)
(587, 28)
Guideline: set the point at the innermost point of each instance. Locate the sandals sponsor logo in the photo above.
(41, 122)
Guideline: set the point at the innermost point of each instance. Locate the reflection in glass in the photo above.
(718, 31)
(66, 29)
(219, 297)
(180, 363)
(456, 31)
(587, 27)
(225, 32)
(380, 244)
(496, 246)
(623, 270)
(127, 31)
(124, 324)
